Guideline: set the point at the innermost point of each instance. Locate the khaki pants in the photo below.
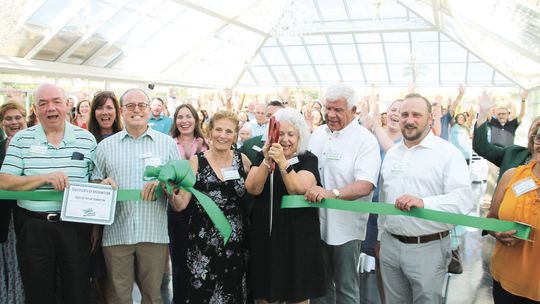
(414, 273)
(120, 261)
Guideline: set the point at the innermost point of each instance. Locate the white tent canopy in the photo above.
(206, 43)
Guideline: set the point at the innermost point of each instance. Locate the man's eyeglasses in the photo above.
(131, 106)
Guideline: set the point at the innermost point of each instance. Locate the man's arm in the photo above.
(452, 107)
(521, 114)
(58, 180)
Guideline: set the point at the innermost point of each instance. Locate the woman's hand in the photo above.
(174, 198)
(276, 154)
(506, 238)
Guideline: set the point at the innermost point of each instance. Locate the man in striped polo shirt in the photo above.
(49, 156)
(140, 227)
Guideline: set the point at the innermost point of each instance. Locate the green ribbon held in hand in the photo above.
(179, 172)
(522, 231)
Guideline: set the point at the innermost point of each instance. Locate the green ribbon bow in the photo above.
(522, 231)
(179, 172)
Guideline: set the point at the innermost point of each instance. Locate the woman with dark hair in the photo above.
(203, 121)
(104, 115)
(186, 132)
(81, 117)
(13, 120)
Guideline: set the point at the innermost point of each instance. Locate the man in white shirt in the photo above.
(349, 162)
(260, 125)
(422, 171)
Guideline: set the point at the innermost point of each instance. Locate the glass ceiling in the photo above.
(207, 43)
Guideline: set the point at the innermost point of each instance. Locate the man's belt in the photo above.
(420, 239)
(48, 216)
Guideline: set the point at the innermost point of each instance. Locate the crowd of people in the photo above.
(413, 155)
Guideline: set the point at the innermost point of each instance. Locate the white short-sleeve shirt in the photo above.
(345, 156)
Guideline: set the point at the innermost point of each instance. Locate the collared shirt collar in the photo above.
(149, 132)
(344, 130)
(69, 136)
(161, 116)
(428, 142)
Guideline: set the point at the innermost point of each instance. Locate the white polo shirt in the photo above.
(345, 156)
(433, 170)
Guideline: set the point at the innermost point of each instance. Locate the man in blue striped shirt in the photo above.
(140, 227)
(49, 156)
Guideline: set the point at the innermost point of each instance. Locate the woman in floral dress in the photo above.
(217, 271)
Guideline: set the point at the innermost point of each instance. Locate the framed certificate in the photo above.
(89, 203)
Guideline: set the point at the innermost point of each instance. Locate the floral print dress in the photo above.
(217, 272)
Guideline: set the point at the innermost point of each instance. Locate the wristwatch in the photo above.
(336, 192)
(288, 169)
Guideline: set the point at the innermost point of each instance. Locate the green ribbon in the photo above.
(522, 231)
(177, 172)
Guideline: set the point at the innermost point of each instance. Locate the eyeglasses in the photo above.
(131, 106)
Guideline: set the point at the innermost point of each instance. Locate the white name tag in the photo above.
(152, 161)
(145, 155)
(41, 150)
(256, 148)
(334, 155)
(230, 173)
(523, 186)
(398, 168)
(293, 160)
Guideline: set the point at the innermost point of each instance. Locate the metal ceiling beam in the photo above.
(192, 53)
(218, 15)
(114, 39)
(411, 52)
(293, 72)
(15, 65)
(311, 61)
(118, 4)
(363, 30)
(255, 53)
(57, 23)
(385, 58)
(360, 59)
(269, 69)
(27, 14)
(334, 58)
(460, 43)
(435, 5)
(162, 22)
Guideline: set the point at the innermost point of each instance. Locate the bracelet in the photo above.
(266, 164)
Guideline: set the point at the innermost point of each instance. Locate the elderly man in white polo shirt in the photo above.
(423, 171)
(349, 162)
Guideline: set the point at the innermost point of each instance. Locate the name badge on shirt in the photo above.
(398, 168)
(523, 186)
(41, 150)
(333, 155)
(151, 124)
(152, 161)
(145, 155)
(230, 173)
(257, 148)
(293, 161)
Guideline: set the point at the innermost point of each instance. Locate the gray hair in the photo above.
(296, 119)
(337, 91)
(132, 90)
